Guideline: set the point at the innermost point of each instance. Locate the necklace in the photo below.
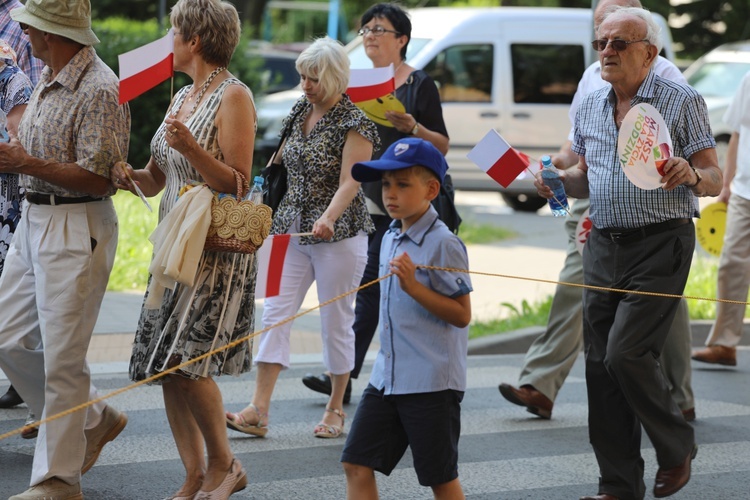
(202, 91)
(399, 66)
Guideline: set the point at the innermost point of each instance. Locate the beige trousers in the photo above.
(51, 290)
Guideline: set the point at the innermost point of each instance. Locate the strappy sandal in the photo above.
(329, 431)
(237, 422)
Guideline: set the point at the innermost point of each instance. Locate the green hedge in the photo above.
(119, 35)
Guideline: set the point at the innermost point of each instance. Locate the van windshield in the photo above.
(359, 59)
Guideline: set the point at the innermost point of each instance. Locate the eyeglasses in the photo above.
(174, 31)
(618, 45)
(23, 26)
(377, 31)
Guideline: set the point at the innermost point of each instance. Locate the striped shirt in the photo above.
(11, 32)
(75, 118)
(615, 201)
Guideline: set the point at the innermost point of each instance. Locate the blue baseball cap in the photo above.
(404, 153)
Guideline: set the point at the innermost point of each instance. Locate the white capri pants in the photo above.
(336, 268)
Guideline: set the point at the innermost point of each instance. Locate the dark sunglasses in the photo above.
(618, 45)
(23, 26)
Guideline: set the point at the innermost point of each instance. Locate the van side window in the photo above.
(546, 74)
(463, 73)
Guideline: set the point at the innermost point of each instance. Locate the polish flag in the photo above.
(146, 67)
(367, 84)
(500, 161)
(271, 265)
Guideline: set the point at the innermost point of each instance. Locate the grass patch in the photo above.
(476, 234)
(130, 272)
(529, 315)
(701, 283)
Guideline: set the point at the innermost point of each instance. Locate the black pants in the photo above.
(367, 308)
(624, 335)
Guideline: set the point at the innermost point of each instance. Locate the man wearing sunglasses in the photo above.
(552, 355)
(642, 240)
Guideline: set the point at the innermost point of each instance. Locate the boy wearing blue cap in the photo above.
(419, 377)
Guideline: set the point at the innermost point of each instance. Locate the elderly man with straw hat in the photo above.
(60, 258)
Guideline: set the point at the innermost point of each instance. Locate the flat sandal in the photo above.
(237, 422)
(330, 431)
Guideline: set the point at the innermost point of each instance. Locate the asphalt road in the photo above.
(505, 453)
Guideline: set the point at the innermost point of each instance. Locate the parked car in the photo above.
(276, 68)
(514, 69)
(717, 75)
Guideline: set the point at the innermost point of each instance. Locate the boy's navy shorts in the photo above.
(428, 423)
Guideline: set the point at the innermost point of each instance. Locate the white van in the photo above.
(514, 69)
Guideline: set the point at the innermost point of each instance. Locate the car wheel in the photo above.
(523, 202)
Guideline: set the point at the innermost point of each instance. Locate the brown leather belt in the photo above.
(632, 235)
(53, 199)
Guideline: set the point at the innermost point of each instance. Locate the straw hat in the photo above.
(68, 18)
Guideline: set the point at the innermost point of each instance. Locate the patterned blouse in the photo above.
(75, 118)
(313, 165)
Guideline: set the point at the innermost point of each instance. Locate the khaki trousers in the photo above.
(51, 290)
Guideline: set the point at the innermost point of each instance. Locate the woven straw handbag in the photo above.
(237, 225)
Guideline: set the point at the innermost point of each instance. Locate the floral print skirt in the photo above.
(193, 320)
(10, 212)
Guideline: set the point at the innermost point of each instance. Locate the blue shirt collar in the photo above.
(419, 229)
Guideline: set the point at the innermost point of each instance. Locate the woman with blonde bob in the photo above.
(207, 135)
(328, 135)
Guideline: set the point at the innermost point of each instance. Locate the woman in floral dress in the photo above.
(207, 136)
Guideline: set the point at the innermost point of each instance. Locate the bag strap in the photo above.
(242, 184)
(286, 133)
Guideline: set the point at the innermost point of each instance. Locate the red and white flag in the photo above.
(146, 67)
(271, 265)
(500, 161)
(368, 84)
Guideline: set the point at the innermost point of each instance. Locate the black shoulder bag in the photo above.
(443, 203)
(274, 175)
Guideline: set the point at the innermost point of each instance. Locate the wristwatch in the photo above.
(415, 129)
(697, 176)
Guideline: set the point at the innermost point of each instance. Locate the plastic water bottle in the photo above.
(256, 192)
(4, 137)
(551, 179)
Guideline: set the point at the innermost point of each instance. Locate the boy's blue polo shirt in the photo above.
(419, 352)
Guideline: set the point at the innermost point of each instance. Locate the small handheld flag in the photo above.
(271, 258)
(366, 84)
(146, 67)
(498, 159)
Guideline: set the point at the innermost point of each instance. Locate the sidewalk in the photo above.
(118, 319)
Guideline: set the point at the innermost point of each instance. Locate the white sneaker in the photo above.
(51, 489)
(112, 424)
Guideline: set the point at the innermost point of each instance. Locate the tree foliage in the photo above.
(710, 23)
(700, 24)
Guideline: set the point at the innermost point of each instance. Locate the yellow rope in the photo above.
(334, 299)
(173, 369)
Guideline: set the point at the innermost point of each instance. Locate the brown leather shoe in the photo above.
(534, 401)
(600, 496)
(689, 414)
(670, 481)
(717, 355)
